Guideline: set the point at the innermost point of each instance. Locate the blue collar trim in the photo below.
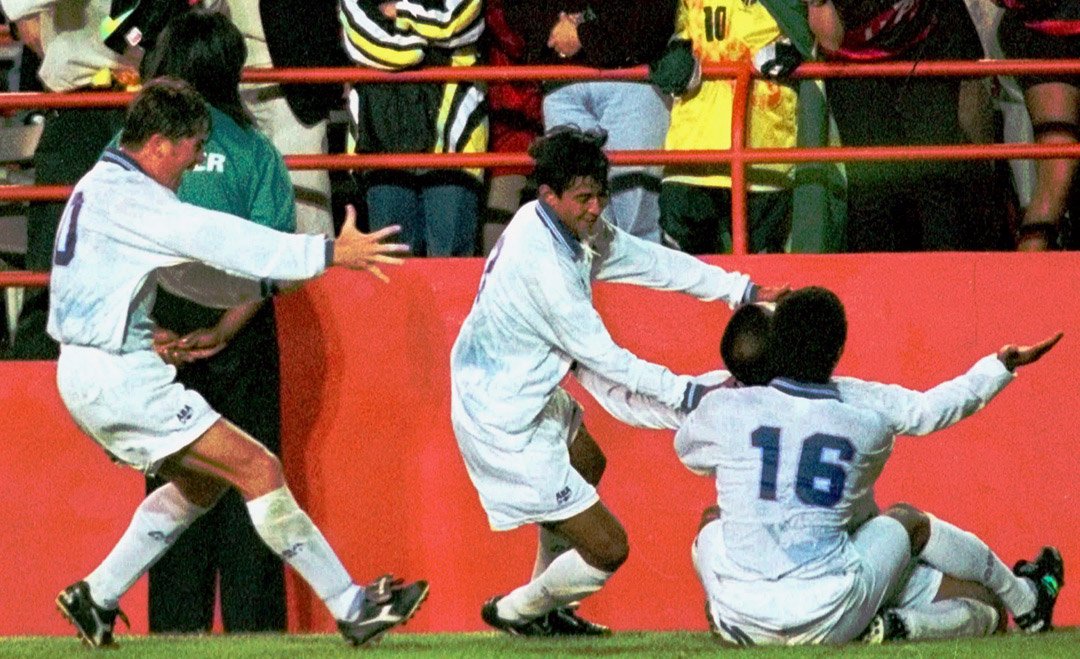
(559, 230)
(118, 157)
(809, 390)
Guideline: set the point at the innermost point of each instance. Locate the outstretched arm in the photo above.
(920, 413)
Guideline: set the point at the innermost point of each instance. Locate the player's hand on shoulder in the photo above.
(365, 251)
(771, 293)
(1013, 356)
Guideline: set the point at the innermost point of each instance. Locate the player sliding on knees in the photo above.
(123, 232)
(520, 433)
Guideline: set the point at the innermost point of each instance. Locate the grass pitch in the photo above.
(1060, 643)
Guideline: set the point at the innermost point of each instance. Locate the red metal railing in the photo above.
(738, 156)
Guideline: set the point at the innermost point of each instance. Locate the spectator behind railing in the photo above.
(229, 357)
(438, 209)
(1048, 30)
(607, 34)
(516, 119)
(74, 58)
(288, 33)
(909, 205)
(695, 202)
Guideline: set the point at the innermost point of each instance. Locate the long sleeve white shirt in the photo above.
(122, 232)
(533, 316)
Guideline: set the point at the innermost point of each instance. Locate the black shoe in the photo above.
(1048, 573)
(93, 624)
(566, 622)
(387, 603)
(535, 627)
(886, 627)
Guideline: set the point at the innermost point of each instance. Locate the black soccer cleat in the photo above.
(1047, 571)
(387, 603)
(565, 621)
(535, 627)
(93, 624)
(885, 627)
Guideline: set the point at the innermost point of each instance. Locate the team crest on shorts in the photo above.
(185, 414)
(563, 495)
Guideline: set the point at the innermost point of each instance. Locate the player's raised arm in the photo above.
(365, 251)
(1013, 356)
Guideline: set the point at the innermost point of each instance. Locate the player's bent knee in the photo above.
(915, 522)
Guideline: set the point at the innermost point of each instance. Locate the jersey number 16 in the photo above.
(817, 482)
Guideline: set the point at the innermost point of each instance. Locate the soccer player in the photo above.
(795, 464)
(519, 432)
(967, 601)
(124, 231)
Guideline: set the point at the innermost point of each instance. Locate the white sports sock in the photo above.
(952, 618)
(157, 523)
(290, 533)
(549, 546)
(965, 556)
(568, 579)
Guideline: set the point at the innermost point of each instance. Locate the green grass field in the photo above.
(1060, 643)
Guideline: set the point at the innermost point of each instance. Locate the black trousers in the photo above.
(71, 142)
(222, 547)
(912, 205)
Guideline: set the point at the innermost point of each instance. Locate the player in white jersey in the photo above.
(122, 233)
(519, 432)
(966, 600)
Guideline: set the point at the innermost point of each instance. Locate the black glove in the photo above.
(676, 70)
(778, 59)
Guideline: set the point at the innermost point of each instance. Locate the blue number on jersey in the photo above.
(62, 255)
(817, 482)
(489, 265)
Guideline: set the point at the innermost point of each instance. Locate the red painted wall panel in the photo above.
(370, 452)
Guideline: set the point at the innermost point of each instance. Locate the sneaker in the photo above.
(1047, 571)
(566, 622)
(387, 603)
(93, 624)
(884, 627)
(535, 627)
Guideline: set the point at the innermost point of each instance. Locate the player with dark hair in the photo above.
(792, 558)
(124, 231)
(519, 432)
(959, 597)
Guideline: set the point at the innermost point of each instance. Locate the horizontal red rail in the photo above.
(738, 156)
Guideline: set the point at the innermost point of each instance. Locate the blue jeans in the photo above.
(636, 116)
(438, 211)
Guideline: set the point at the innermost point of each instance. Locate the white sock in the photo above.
(952, 618)
(290, 533)
(965, 556)
(568, 579)
(549, 546)
(157, 523)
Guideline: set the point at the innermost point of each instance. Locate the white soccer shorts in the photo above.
(537, 483)
(835, 608)
(131, 405)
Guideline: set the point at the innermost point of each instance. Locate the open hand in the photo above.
(364, 251)
(1013, 356)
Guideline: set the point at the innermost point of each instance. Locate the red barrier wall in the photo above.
(370, 452)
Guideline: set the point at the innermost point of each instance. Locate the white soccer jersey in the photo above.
(121, 231)
(795, 463)
(533, 316)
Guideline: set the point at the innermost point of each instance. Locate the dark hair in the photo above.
(809, 330)
(166, 107)
(208, 51)
(747, 345)
(567, 153)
